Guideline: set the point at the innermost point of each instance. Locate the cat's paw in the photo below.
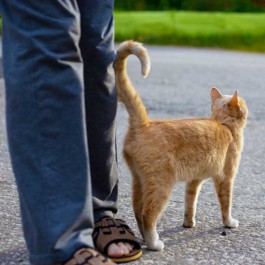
(152, 240)
(158, 245)
(231, 223)
(189, 223)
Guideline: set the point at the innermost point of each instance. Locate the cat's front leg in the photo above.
(191, 196)
(224, 189)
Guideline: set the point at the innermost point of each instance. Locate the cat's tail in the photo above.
(126, 92)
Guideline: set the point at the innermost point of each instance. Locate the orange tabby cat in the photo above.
(161, 152)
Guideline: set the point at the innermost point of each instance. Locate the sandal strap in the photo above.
(109, 230)
(88, 256)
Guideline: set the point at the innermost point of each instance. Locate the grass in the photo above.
(238, 31)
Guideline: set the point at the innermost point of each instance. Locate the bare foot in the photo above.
(116, 250)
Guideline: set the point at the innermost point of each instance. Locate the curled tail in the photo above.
(126, 91)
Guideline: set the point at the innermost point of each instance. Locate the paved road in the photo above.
(179, 86)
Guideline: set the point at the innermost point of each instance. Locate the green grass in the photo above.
(239, 31)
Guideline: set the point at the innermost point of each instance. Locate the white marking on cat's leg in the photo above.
(231, 223)
(152, 240)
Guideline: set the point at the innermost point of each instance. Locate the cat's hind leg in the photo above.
(137, 194)
(155, 196)
(191, 195)
(224, 190)
(137, 200)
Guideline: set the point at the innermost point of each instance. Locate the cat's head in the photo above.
(229, 110)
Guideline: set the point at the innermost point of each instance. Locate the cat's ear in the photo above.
(234, 99)
(215, 94)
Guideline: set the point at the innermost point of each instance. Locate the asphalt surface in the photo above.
(179, 86)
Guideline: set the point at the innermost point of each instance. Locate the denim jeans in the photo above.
(60, 112)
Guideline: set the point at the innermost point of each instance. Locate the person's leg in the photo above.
(45, 123)
(97, 47)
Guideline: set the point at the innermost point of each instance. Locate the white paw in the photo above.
(189, 224)
(231, 223)
(152, 240)
(158, 245)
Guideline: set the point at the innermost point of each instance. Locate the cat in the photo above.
(160, 153)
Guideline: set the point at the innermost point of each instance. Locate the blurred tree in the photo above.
(259, 2)
(200, 5)
(148, 4)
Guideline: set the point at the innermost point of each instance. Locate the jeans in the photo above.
(60, 113)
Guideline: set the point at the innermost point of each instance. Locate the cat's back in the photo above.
(179, 134)
(183, 129)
